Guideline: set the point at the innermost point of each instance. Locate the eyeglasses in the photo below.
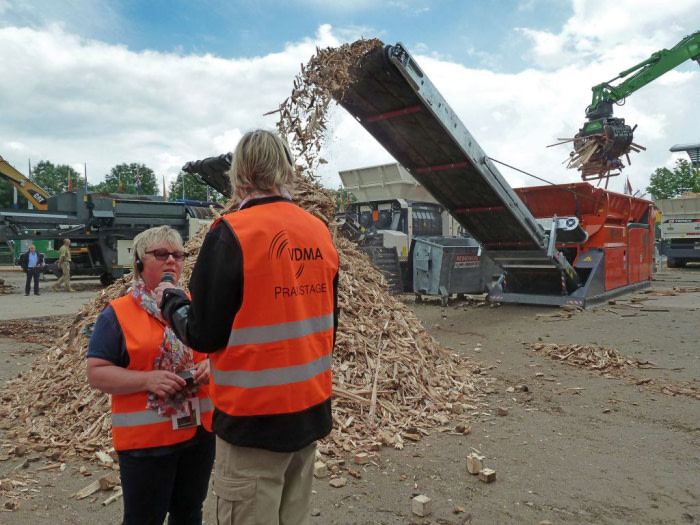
(162, 255)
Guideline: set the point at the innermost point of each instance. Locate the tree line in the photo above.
(123, 178)
(54, 179)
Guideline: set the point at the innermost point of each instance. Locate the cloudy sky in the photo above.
(161, 82)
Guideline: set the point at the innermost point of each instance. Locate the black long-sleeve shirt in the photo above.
(204, 323)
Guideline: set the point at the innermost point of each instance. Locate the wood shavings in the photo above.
(611, 363)
(592, 357)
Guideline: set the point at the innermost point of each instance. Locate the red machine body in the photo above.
(621, 227)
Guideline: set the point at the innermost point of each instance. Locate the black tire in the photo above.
(106, 279)
(672, 262)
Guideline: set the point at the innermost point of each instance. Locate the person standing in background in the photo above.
(32, 264)
(64, 261)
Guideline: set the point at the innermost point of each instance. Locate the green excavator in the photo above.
(604, 140)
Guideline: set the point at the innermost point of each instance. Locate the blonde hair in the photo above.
(153, 235)
(261, 162)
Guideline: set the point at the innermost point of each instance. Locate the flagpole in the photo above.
(85, 172)
(30, 206)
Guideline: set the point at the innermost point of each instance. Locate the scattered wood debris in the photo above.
(106, 482)
(475, 463)
(487, 475)
(52, 409)
(421, 505)
(114, 497)
(610, 362)
(337, 483)
(592, 357)
(5, 288)
(40, 330)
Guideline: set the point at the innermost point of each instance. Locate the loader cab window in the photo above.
(384, 220)
(365, 219)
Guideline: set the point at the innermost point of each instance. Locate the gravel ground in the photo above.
(575, 448)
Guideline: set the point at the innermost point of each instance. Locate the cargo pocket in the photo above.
(235, 500)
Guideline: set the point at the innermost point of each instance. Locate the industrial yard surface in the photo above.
(602, 428)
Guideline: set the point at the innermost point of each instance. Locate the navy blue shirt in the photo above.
(107, 340)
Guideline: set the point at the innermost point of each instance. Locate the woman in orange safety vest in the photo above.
(161, 410)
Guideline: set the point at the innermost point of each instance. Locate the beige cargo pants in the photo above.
(259, 487)
(64, 280)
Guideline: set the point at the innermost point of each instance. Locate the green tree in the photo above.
(55, 179)
(195, 189)
(7, 196)
(127, 175)
(666, 183)
(341, 198)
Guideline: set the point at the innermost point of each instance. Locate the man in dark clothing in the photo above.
(268, 321)
(32, 264)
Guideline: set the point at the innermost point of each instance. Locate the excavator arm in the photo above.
(33, 193)
(603, 140)
(659, 63)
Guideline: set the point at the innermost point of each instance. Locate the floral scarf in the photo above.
(173, 355)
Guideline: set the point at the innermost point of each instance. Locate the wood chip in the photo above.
(114, 497)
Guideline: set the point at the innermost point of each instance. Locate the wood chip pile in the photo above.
(391, 379)
(610, 362)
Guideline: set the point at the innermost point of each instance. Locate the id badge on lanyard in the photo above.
(190, 415)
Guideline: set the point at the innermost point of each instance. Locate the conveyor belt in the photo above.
(395, 101)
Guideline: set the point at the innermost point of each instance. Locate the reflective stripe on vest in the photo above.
(150, 417)
(133, 425)
(272, 376)
(278, 358)
(279, 332)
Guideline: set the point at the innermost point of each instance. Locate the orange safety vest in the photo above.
(278, 357)
(134, 425)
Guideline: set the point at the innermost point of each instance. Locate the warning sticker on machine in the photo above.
(466, 261)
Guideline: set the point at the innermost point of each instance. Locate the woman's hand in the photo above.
(201, 372)
(112, 379)
(158, 291)
(163, 383)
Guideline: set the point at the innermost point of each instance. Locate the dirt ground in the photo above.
(575, 446)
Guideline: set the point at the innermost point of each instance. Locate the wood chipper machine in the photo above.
(608, 238)
(568, 244)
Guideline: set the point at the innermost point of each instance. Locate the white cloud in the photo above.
(622, 32)
(72, 100)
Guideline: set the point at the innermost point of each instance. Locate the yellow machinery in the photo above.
(33, 193)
